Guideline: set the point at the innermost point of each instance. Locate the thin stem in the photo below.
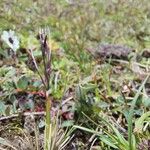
(48, 120)
(36, 66)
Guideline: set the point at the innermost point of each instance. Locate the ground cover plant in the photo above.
(75, 75)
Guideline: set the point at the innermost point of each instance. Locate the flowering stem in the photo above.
(48, 121)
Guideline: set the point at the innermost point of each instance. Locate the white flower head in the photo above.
(10, 39)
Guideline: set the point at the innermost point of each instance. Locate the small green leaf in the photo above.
(146, 102)
(2, 108)
(22, 83)
(7, 110)
(67, 123)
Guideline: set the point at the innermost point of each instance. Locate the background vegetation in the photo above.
(98, 102)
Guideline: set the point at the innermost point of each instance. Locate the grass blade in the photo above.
(131, 112)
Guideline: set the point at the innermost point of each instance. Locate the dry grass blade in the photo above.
(6, 143)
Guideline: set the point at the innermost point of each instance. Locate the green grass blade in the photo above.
(118, 138)
(108, 142)
(139, 123)
(130, 125)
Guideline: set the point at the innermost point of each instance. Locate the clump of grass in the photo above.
(55, 137)
(111, 136)
(45, 78)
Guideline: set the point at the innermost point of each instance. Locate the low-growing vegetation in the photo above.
(74, 75)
